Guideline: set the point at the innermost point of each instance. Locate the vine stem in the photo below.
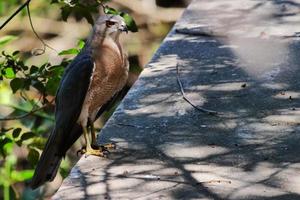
(42, 51)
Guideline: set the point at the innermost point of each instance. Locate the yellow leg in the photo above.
(89, 150)
(86, 137)
(108, 146)
(93, 132)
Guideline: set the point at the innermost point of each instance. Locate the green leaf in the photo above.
(23, 175)
(65, 12)
(15, 53)
(80, 44)
(69, 52)
(39, 86)
(6, 39)
(19, 143)
(27, 135)
(130, 23)
(3, 143)
(52, 85)
(9, 73)
(8, 147)
(16, 84)
(16, 132)
(38, 142)
(33, 156)
(57, 71)
(87, 15)
(33, 69)
(109, 10)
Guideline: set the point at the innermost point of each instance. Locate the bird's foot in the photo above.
(101, 150)
(96, 152)
(91, 151)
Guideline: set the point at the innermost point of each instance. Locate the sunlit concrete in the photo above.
(240, 58)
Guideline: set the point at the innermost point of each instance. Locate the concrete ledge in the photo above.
(169, 150)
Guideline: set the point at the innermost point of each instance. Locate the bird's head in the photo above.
(110, 25)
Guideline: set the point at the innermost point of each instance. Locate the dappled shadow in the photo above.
(167, 149)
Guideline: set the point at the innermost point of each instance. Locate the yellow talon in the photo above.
(96, 152)
(101, 152)
(91, 149)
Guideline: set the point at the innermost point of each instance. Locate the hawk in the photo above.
(88, 85)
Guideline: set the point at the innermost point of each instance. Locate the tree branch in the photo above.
(15, 13)
(27, 114)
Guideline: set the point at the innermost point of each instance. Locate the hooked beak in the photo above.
(124, 28)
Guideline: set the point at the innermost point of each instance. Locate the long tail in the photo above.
(52, 155)
(47, 166)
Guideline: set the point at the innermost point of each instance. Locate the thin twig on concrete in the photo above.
(200, 32)
(210, 112)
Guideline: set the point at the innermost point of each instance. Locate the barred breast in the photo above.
(109, 77)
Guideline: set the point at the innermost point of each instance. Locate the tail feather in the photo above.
(47, 166)
(52, 155)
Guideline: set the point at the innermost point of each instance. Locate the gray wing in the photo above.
(69, 100)
(71, 94)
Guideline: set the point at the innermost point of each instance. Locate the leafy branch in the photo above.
(86, 10)
(27, 114)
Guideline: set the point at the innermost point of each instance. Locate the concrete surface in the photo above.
(240, 58)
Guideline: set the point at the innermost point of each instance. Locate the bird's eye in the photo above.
(110, 23)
